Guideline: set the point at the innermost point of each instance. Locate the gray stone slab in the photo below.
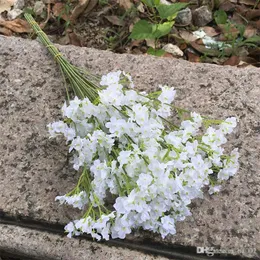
(46, 246)
(34, 169)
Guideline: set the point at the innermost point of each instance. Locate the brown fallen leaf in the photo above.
(167, 55)
(5, 5)
(18, 25)
(249, 60)
(257, 24)
(255, 54)
(237, 18)
(229, 32)
(232, 61)
(90, 6)
(210, 31)
(150, 43)
(59, 10)
(126, 4)
(193, 57)
(64, 40)
(226, 6)
(183, 46)
(79, 9)
(249, 2)
(209, 52)
(251, 14)
(115, 20)
(250, 31)
(135, 43)
(187, 36)
(5, 31)
(74, 39)
(200, 42)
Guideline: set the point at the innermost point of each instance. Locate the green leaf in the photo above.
(241, 29)
(28, 10)
(155, 52)
(160, 30)
(151, 3)
(220, 17)
(253, 39)
(142, 30)
(169, 12)
(156, 2)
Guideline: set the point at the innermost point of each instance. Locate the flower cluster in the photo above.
(129, 148)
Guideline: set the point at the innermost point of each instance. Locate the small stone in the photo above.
(38, 8)
(184, 17)
(14, 13)
(19, 4)
(164, 2)
(173, 49)
(202, 16)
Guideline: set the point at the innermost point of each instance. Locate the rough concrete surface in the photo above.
(46, 246)
(34, 169)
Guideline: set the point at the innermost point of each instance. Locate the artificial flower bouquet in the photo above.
(127, 147)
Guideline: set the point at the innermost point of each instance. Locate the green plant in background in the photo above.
(161, 18)
(65, 11)
(102, 2)
(234, 33)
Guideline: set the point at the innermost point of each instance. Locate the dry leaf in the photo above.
(248, 60)
(126, 4)
(183, 46)
(5, 31)
(249, 2)
(255, 54)
(5, 5)
(232, 61)
(150, 43)
(250, 31)
(167, 55)
(193, 57)
(226, 6)
(210, 31)
(58, 10)
(228, 32)
(115, 20)
(237, 19)
(74, 39)
(187, 36)
(135, 43)
(90, 6)
(251, 14)
(202, 49)
(140, 8)
(18, 25)
(79, 9)
(65, 40)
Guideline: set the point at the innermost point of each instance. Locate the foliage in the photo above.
(163, 19)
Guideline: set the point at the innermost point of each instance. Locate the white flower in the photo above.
(76, 200)
(167, 95)
(129, 150)
(168, 226)
(56, 128)
(71, 229)
(214, 189)
(228, 125)
(111, 78)
(144, 180)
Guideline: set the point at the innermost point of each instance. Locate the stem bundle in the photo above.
(81, 82)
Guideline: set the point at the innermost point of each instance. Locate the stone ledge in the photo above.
(34, 169)
(46, 246)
